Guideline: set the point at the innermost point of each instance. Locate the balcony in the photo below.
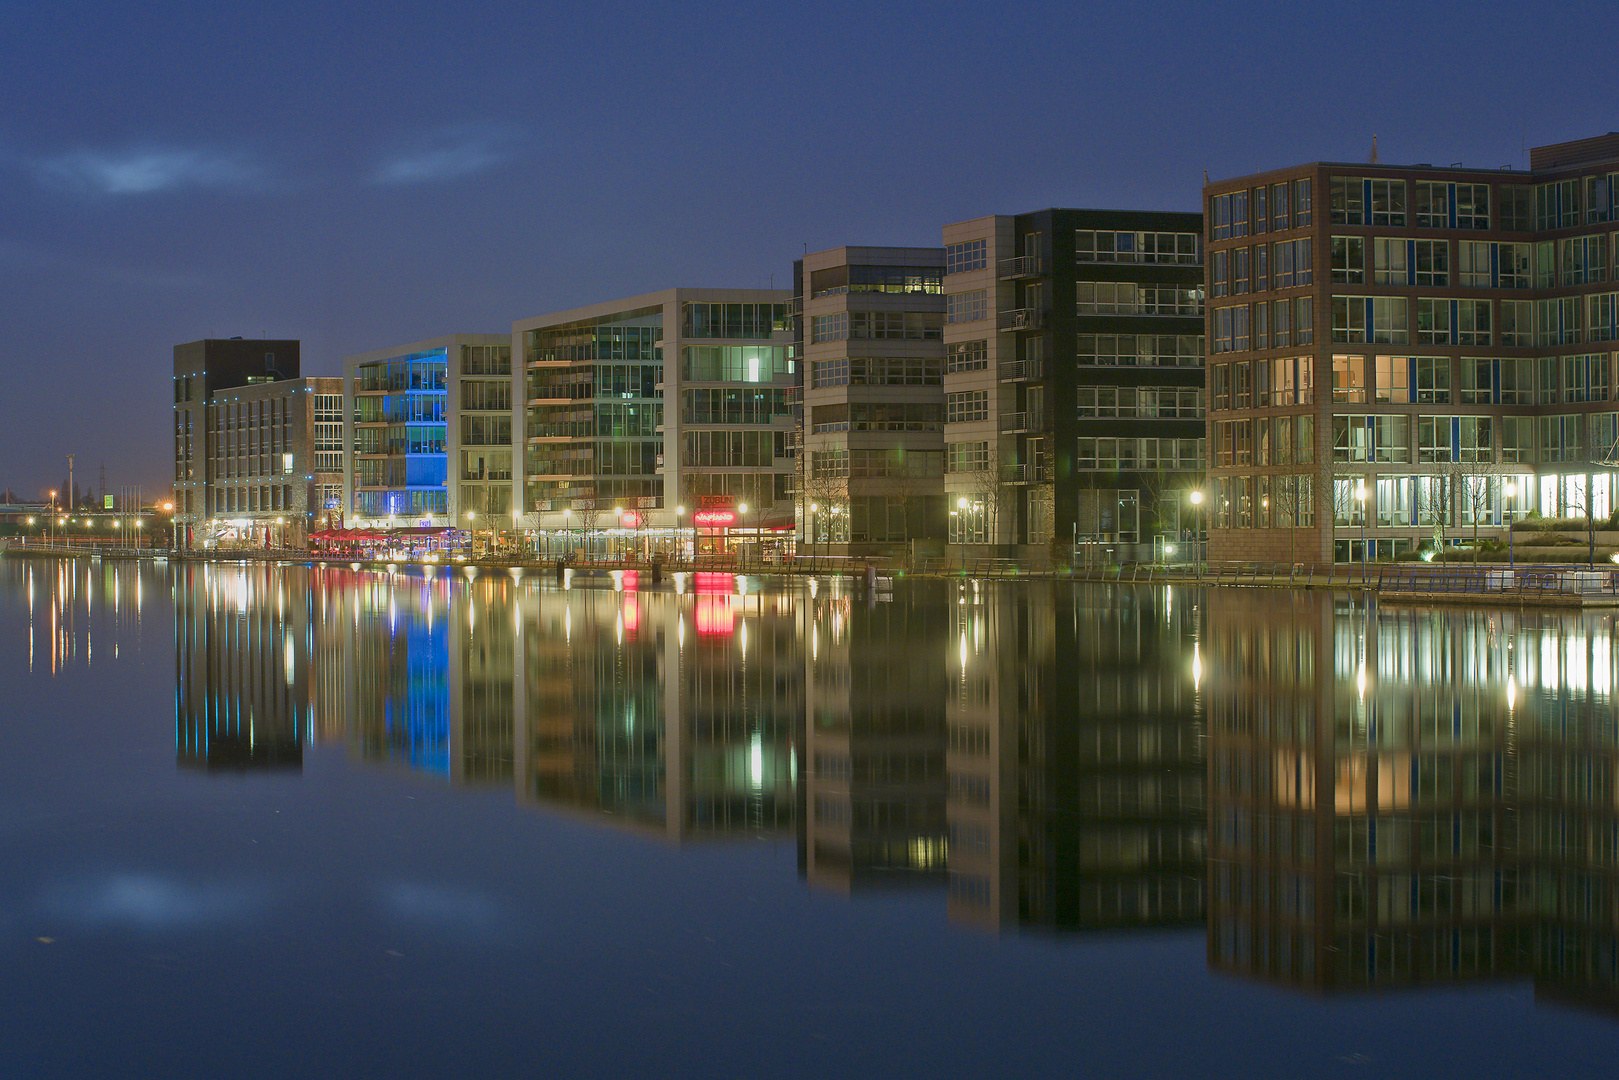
(1023, 421)
(1024, 266)
(1021, 370)
(795, 306)
(1022, 319)
(1022, 474)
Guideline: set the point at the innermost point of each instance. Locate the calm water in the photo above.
(307, 822)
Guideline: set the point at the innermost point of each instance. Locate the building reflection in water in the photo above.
(1372, 798)
(241, 652)
(1401, 797)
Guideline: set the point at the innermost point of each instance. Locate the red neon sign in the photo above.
(713, 519)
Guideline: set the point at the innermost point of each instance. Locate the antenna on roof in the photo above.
(1205, 178)
(1374, 150)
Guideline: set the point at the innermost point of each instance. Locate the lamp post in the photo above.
(618, 519)
(680, 512)
(814, 508)
(742, 512)
(1510, 491)
(567, 529)
(1360, 498)
(962, 526)
(1197, 545)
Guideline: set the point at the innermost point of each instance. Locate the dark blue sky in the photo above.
(365, 174)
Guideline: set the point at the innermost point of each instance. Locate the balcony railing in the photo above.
(1021, 370)
(1023, 421)
(1022, 319)
(1021, 267)
(1021, 474)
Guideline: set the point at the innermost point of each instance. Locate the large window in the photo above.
(967, 307)
(1346, 200)
(1348, 378)
(734, 320)
(704, 363)
(966, 457)
(1389, 262)
(1136, 247)
(966, 408)
(1433, 380)
(965, 256)
(1370, 318)
(896, 325)
(1472, 206)
(1349, 260)
(967, 355)
(1476, 382)
(1160, 350)
(1432, 263)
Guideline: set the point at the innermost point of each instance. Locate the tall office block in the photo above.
(1402, 354)
(670, 408)
(428, 436)
(872, 467)
(1073, 380)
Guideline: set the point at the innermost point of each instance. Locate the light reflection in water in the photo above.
(1344, 796)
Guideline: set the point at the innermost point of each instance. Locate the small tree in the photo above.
(1477, 489)
(1580, 500)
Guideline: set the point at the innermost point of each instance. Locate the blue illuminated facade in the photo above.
(398, 457)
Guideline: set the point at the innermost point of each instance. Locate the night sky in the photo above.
(362, 175)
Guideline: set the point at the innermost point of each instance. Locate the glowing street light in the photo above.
(1360, 497)
(1510, 491)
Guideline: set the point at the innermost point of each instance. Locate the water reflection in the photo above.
(1345, 797)
(1400, 797)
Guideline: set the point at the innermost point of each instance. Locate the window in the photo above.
(1303, 320)
(965, 256)
(896, 325)
(966, 457)
(1433, 262)
(1432, 205)
(829, 373)
(1545, 380)
(1599, 197)
(1387, 202)
(1389, 262)
(1220, 217)
(967, 307)
(1161, 350)
(1220, 273)
(966, 408)
(1301, 203)
(1587, 378)
(1517, 265)
(1559, 438)
(1241, 270)
(1517, 207)
(1370, 318)
(1433, 321)
(1600, 321)
(1242, 382)
(1557, 321)
(834, 327)
(1239, 213)
(1137, 247)
(1473, 322)
(1472, 206)
(1346, 201)
(1433, 380)
(1433, 439)
(1582, 260)
(1476, 384)
(1351, 438)
(1106, 298)
(1517, 322)
(1348, 378)
(1279, 203)
(1393, 380)
(1517, 381)
(1517, 439)
(967, 356)
(1349, 260)
(1472, 264)
(1281, 322)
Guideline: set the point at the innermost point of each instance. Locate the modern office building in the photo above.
(671, 409)
(1400, 354)
(872, 466)
(1073, 380)
(428, 436)
(210, 449)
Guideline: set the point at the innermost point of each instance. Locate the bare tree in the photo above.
(1580, 500)
(1478, 488)
(1286, 505)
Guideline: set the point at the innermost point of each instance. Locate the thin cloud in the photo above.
(447, 154)
(146, 171)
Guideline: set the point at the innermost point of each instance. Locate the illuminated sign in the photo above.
(714, 519)
(630, 519)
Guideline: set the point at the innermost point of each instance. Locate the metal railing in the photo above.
(1529, 579)
(1022, 319)
(1020, 266)
(1023, 421)
(1020, 370)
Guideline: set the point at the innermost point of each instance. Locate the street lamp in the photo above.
(471, 517)
(1510, 491)
(1197, 545)
(567, 529)
(618, 519)
(680, 512)
(1360, 498)
(814, 508)
(742, 509)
